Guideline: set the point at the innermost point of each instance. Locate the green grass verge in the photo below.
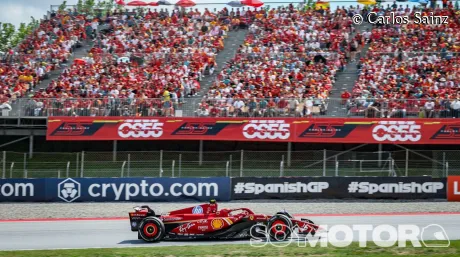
(246, 250)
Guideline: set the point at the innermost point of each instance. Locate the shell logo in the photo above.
(217, 223)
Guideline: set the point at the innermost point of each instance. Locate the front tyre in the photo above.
(151, 229)
(279, 227)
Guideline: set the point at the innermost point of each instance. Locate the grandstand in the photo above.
(231, 65)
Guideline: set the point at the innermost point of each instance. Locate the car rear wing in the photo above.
(139, 213)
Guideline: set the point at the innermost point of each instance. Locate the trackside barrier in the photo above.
(226, 189)
(115, 189)
(453, 188)
(299, 188)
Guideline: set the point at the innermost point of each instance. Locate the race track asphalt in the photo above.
(73, 234)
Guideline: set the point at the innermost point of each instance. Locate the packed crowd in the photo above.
(415, 67)
(146, 64)
(286, 66)
(50, 45)
(141, 57)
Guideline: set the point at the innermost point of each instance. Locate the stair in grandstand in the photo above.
(346, 80)
(232, 42)
(79, 52)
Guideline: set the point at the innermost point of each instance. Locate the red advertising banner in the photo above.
(319, 130)
(453, 188)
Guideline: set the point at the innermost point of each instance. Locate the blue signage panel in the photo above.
(115, 189)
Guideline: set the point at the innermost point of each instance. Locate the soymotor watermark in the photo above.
(404, 235)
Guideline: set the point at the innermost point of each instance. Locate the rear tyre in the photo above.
(151, 229)
(279, 227)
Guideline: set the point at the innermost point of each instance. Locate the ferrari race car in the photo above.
(205, 221)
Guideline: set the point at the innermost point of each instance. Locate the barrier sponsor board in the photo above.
(453, 188)
(115, 189)
(225, 189)
(296, 188)
(321, 130)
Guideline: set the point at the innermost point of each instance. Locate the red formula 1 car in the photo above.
(206, 221)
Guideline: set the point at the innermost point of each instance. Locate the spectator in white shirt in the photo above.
(429, 108)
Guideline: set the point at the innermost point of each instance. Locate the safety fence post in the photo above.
(180, 165)
(4, 164)
(67, 170)
(282, 168)
(226, 169)
(241, 163)
(231, 162)
(11, 170)
(336, 168)
(443, 162)
(161, 163)
(173, 164)
(25, 165)
(289, 154)
(129, 165)
(324, 162)
(407, 163)
(123, 169)
(77, 162)
(82, 166)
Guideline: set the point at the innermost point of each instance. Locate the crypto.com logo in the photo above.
(69, 190)
(343, 236)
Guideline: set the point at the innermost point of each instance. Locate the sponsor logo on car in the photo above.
(217, 223)
(203, 228)
(167, 219)
(185, 227)
(197, 210)
(138, 214)
(69, 190)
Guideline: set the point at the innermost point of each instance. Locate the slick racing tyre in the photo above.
(151, 229)
(279, 227)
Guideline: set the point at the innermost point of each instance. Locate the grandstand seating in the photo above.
(286, 66)
(41, 52)
(410, 70)
(146, 65)
(139, 58)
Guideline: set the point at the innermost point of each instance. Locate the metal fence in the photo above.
(194, 107)
(231, 164)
